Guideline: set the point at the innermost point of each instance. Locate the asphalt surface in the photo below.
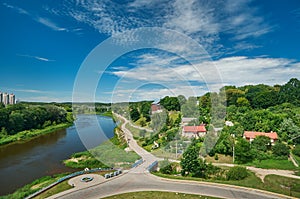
(139, 179)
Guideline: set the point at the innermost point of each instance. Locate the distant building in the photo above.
(186, 120)
(194, 131)
(156, 108)
(7, 98)
(12, 99)
(251, 135)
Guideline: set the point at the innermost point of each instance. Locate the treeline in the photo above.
(27, 116)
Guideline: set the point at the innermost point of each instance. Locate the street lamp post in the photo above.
(233, 147)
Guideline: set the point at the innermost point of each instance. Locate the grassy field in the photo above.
(157, 195)
(165, 154)
(273, 164)
(63, 186)
(221, 159)
(273, 183)
(24, 136)
(109, 154)
(135, 132)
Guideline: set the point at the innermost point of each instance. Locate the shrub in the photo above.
(296, 150)
(280, 149)
(237, 173)
(216, 157)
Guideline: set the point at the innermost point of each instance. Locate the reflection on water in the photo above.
(22, 163)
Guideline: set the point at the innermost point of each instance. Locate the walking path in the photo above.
(262, 173)
(139, 179)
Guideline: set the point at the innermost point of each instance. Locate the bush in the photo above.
(296, 150)
(280, 149)
(216, 157)
(237, 173)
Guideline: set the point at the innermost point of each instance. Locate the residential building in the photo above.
(194, 131)
(12, 99)
(251, 135)
(5, 99)
(186, 120)
(156, 108)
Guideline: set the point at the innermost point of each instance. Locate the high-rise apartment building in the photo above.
(12, 99)
(7, 98)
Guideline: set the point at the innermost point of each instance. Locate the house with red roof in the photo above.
(251, 135)
(156, 108)
(194, 131)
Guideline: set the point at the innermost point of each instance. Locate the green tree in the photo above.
(242, 101)
(261, 143)
(170, 103)
(290, 92)
(296, 150)
(288, 130)
(280, 150)
(142, 133)
(237, 173)
(190, 160)
(134, 114)
(243, 152)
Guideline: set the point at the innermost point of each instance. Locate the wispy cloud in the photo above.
(50, 24)
(207, 22)
(19, 10)
(28, 91)
(37, 58)
(45, 21)
(233, 70)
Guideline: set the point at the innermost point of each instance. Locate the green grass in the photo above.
(108, 154)
(107, 114)
(158, 195)
(273, 164)
(30, 134)
(63, 186)
(273, 183)
(165, 154)
(33, 187)
(221, 159)
(135, 132)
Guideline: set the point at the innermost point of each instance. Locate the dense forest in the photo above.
(27, 116)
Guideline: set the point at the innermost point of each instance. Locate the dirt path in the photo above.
(262, 173)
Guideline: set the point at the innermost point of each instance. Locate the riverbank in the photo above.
(110, 153)
(27, 135)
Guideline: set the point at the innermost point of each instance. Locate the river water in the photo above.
(22, 163)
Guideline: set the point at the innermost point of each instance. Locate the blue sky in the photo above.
(44, 43)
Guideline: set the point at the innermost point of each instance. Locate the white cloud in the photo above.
(19, 10)
(50, 24)
(205, 21)
(37, 57)
(238, 71)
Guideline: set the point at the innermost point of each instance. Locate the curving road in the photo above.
(139, 179)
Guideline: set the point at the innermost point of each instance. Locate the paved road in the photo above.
(139, 179)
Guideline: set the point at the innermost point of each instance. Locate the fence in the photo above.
(137, 163)
(66, 178)
(153, 166)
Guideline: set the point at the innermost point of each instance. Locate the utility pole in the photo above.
(176, 149)
(233, 147)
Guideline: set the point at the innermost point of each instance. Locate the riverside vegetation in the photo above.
(23, 121)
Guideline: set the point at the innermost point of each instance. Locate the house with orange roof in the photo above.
(251, 135)
(194, 131)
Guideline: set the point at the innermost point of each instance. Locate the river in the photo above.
(22, 163)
